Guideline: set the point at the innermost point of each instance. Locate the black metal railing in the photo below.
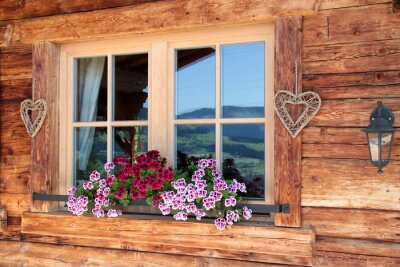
(256, 208)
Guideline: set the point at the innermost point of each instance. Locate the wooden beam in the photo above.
(349, 184)
(45, 73)
(155, 17)
(288, 50)
(268, 244)
(49, 255)
(354, 223)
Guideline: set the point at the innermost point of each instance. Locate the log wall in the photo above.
(351, 57)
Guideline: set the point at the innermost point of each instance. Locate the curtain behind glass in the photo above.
(90, 75)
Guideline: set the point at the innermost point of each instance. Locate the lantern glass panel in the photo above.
(386, 142)
(373, 142)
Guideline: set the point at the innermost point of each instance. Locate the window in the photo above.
(197, 93)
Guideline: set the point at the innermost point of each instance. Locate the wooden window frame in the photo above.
(46, 153)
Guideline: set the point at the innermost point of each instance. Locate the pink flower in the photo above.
(72, 191)
(209, 203)
(109, 166)
(216, 174)
(94, 176)
(220, 223)
(247, 213)
(230, 201)
(164, 208)
(199, 214)
(232, 216)
(181, 216)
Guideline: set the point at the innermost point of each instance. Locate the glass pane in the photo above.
(195, 83)
(194, 141)
(242, 80)
(130, 141)
(244, 157)
(91, 89)
(374, 145)
(131, 87)
(90, 151)
(386, 141)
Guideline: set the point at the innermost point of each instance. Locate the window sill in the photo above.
(249, 241)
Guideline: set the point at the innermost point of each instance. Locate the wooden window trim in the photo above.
(287, 163)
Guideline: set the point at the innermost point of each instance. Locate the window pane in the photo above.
(90, 151)
(194, 140)
(131, 87)
(243, 154)
(242, 80)
(130, 141)
(195, 83)
(91, 89)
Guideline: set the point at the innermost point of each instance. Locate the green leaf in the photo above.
(149, 201)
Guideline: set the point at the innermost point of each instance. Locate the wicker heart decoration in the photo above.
(41, 107)
(311, 102)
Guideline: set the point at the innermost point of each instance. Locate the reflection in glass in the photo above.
(374, 138)
(131, 87)
(242, 80)
(195, 140)
(130, 141)
(90, 151)
(243, 151)
(195, 83)
(91, 89)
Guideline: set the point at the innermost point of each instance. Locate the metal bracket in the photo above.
(256, 208)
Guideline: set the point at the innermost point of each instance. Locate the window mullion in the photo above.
(110, 105)
(218, 137)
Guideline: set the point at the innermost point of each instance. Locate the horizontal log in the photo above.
(350, 184)
(343, 151)
(354, 223)
(359, 57)
(15, 204)
(356, 246)
(15, 90)
(251, 243)
(350, 25)
(12, 233)
(151, 17)
(32, 254)
(358, 92)
(333, 259)
(351, 112)
(332, 4)
(375, 78)
(328, 135)
(6, 32)
(15, 173)
(15, 65)
(12, 10)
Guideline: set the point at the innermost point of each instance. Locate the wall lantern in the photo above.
(380, 136)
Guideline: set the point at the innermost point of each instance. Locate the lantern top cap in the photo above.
(381, 119)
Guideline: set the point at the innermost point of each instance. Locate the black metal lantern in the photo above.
(380, 136)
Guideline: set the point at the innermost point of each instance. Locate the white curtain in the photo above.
(90, 74)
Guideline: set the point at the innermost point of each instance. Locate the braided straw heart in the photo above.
(41, 107)
(310, 100)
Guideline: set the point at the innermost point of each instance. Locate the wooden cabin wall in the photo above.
(351, 57)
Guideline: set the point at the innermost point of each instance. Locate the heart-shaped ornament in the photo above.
(40, 106)
(311, 102)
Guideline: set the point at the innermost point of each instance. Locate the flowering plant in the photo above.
(204, 193)
(144, 178)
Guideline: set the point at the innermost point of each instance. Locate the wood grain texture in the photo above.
(6, 32)
(359, 247)
(12, 233)
(151, 17)
(350, 26)
(333, 4)
(3, 219)
(15, 65)
(348, 58)
(350, 184)
(334, 259)
(15, 204)
(354, 223)
(351, 112)
(11, 9)
(32, 254)
(44, 174)
(188, 238)
(287, 158)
